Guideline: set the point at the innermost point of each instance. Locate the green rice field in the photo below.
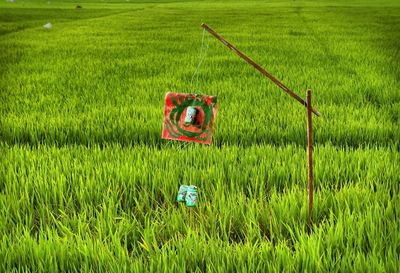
(88, 185)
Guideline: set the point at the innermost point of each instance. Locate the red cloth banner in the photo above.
(189, 117)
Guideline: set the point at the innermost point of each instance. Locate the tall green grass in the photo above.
(99, 80)
(114, 205)
(87, 183)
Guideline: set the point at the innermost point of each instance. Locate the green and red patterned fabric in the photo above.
(189, 117)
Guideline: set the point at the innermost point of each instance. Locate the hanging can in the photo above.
(190, 117)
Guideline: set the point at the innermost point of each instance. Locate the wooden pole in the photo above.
(310, 166)
(258, 67)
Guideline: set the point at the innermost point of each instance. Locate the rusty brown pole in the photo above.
(310, 163)
(258, 67)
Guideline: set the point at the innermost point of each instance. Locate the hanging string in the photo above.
(195, 89)
(203, 54)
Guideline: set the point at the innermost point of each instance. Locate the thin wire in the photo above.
(203, 54)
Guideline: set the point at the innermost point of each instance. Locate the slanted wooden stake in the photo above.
(310, 166)
(306, 103)
(258, 67)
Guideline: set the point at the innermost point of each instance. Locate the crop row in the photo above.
(115, 207)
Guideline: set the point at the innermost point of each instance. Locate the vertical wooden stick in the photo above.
(310, 166)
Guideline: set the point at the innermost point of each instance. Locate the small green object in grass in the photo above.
(191, 196)
(182, 193)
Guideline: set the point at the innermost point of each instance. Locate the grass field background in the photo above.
(87, 183)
